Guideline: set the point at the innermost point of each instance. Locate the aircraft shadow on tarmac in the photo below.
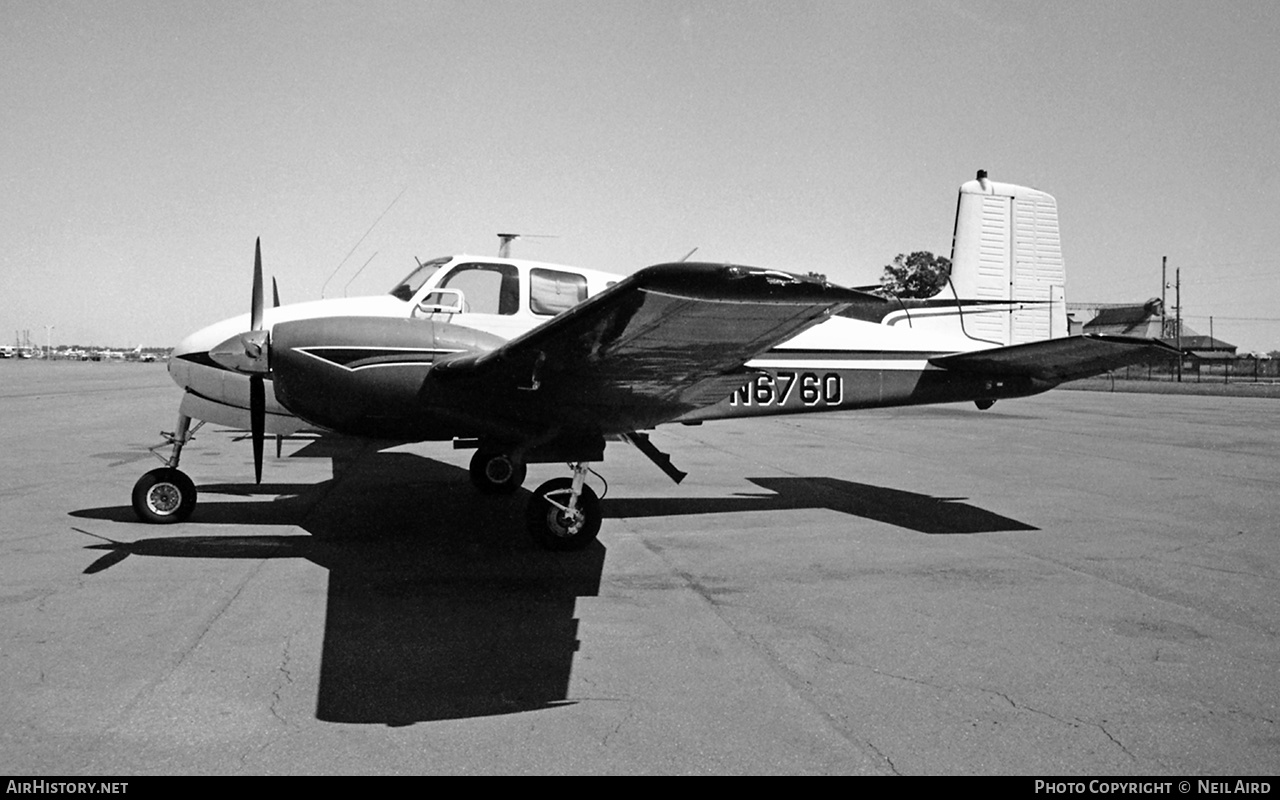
(435, 609)
(917, 512)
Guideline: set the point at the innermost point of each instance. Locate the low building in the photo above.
(1146, 321)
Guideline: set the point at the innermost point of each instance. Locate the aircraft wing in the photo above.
(664, 341)
(1057, 360)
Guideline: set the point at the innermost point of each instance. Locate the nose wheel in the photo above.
(163, 496)
(564, 513)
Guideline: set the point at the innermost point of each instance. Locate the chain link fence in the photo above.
(1210, 368)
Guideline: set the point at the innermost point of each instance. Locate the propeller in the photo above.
(257, 383)
(249, 353)
(255, 310)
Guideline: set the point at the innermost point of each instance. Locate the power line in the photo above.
(1237, 263)
(1231, 319)
(1238, 278)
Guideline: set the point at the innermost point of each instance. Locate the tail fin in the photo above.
(1006, 263)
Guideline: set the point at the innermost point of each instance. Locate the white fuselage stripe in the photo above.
(916, 365)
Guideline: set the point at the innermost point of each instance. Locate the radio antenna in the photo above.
(362, 238)
(357, 275)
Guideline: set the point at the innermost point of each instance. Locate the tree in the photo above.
(921, 274)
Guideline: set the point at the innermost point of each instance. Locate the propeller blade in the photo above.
(275, 294)
(257, 421)
(255, 311)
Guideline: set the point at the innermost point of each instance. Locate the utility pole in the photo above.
(1178, 297)
(1164, 285)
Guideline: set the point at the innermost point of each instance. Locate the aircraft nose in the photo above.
(208, 337)
(189, 344)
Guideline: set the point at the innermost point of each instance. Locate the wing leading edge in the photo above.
(664, 341)
(1057, 360)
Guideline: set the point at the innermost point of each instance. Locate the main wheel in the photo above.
(496, 473)
(556, 529)
(164, 496)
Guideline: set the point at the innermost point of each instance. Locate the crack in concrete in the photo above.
(892, 767)
(172, 664)
(1074, 722)
(627, 717)
(1139, 587)
(801, 687)
(1114, 740)
(277, 693)
(1078, 722)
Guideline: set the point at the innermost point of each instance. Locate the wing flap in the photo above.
(1057, 360)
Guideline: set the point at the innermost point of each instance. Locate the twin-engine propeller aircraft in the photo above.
(536, 363)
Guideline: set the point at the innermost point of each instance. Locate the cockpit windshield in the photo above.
(406, 288)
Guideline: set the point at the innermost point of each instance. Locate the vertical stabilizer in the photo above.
(1007, 254)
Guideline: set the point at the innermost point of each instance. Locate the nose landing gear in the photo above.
(166, 495)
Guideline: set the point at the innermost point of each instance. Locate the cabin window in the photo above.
(486, 288)
(552, 291)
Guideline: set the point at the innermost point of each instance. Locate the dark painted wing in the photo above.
(1057, 360)
(658, 344)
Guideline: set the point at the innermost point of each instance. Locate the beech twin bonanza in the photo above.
(538, 363)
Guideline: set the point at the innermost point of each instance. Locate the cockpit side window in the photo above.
(486, 288)
(552, 291)
(407, 288)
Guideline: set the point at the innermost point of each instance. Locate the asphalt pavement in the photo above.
(1079, 583)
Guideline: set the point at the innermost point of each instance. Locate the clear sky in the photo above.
(146, 144)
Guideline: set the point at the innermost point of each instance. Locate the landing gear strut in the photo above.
(166, 495)
(564, 513)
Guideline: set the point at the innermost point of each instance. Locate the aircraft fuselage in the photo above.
(535, 363)
(358, 365)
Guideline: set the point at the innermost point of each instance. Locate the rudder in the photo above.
(1006, 254)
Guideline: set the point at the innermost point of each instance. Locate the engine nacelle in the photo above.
(362, 375)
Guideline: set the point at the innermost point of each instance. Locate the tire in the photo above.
(164, 496)
(547, 523)
(496, 473)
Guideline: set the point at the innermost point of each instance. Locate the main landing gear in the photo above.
(166, 495)
(493, 472)
(564, 513)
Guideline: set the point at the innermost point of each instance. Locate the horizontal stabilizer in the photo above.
(1057, 360)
